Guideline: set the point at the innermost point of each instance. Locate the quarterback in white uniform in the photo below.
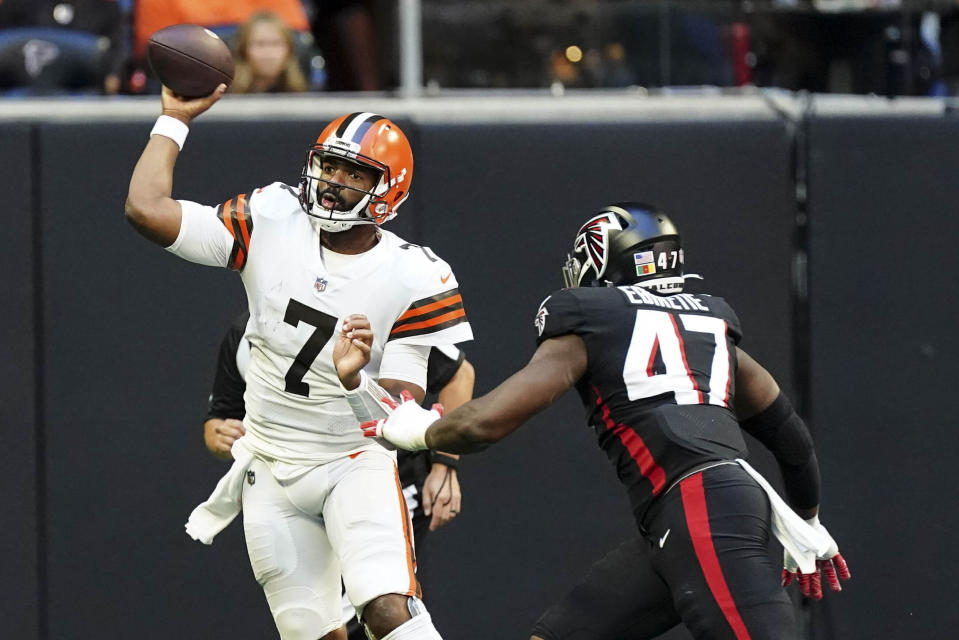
(319, 500)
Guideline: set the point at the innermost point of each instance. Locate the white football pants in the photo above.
(346, 517)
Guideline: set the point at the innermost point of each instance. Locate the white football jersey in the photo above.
(295, 408)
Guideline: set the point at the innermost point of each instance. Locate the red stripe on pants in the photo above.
(697, 519)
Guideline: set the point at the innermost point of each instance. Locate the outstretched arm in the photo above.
(766, 413)
(555, 367)
(150, 207)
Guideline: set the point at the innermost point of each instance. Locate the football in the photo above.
(189, 59)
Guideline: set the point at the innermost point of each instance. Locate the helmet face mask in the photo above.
(625, 244)
(317, 181)
(371, 142)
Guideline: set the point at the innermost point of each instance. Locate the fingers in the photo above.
(355, 321)
(217, 93)
(362, 344)
(232, 428)
(357, 325)
(827, 569)
(427, 503)
(405, 395)
(835, 570)
(441, 516)
(441, 496)
(438, 408)
(356, 328)
(442, 509)
(190, 107)
(372, 428)
(811, 583)
(456, 500)
(788, 577)
(815, 585)
(841, 566)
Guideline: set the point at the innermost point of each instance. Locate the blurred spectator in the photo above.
(63, 46)
(265, 57)
(223, 17)
(153, 15)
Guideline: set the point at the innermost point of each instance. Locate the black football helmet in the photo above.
(627, 243)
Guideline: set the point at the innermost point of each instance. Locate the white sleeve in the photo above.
(407, 362)
(203, 238)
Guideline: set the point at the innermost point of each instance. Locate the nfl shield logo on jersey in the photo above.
(320, 285)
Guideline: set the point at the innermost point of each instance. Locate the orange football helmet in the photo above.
(369, 140)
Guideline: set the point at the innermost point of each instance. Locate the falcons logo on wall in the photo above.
(592, 241)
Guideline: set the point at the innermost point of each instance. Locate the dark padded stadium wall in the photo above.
(884, 258)
(501, 203)
(18, 499)
(131, 335)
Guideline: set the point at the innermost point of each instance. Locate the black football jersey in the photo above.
(659, 381)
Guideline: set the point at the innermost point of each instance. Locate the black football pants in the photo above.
(703, 561)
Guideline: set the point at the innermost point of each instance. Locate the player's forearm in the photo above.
(465, 430)
(481, 422)
(149, 206)
(785, 434)
(457, 392)
(555, 367)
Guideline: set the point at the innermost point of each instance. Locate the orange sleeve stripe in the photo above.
(241, 216)
(240, 260)
(225, 218)
(445, 302)
(452, 315)
(408, 534)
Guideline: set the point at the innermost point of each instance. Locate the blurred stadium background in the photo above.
(807, 149)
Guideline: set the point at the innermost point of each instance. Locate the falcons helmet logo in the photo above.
(592, 242)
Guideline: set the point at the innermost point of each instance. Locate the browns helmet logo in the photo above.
(592, 242)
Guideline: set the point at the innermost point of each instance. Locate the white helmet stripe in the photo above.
(356, 126)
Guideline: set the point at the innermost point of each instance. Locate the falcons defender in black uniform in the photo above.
(664, 386)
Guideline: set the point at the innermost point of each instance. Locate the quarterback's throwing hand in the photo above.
(830, 564)
(406, 427)
(186, 109)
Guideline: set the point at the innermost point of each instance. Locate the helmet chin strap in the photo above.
(329, 220)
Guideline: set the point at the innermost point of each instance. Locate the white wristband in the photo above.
(170, 127)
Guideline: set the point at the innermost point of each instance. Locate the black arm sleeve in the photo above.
(226, 401)
(442, 367)
(785, 434)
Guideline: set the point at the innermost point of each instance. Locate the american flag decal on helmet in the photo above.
(592, 241)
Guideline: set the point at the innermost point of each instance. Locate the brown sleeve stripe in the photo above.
(240, 225)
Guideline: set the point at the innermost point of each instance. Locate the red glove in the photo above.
(830, 563)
